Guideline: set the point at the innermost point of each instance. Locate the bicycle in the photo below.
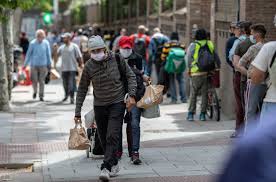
(213, 108)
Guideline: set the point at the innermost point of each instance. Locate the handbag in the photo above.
(78, 139)
(151, 112)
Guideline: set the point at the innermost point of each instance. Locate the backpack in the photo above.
(159, 47)
(140, 46)
(175, 62)
(139, 79)
(206, 59)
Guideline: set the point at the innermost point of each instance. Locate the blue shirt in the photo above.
(38, 54)
(236, 43)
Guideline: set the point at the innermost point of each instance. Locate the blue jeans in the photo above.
(180, 80)
(69, 83)
(135, 128)
(145, 67)
(253, 104)
(268, 113)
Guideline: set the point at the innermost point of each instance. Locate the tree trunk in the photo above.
(8, 47)
(4, 94)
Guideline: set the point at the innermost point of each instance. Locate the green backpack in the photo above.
(175, 62)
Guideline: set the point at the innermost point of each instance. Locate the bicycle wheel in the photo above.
(216, 106)
(210, 110)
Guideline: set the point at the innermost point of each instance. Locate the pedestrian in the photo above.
(264, 67)
(24, 43)
(230, 42)
(71, 57)
(202, 59)
(174, 44)
(115, 47)
(254, 93)
(156, 45)
(134, 116)
(109, 92)
(39, 58)
(240, 47)
(140, 45)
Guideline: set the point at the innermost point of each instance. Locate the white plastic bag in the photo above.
(151, 112)
(89, 118)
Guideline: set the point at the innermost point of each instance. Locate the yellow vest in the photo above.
(198, 45)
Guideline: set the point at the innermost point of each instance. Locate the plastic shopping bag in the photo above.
(151, 112)
(89, 118)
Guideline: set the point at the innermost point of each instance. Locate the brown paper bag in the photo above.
(78, 139)
(153, 96)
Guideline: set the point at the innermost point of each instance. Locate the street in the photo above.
(172, 149)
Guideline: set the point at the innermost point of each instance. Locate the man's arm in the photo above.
(78, 56)
(82, 91)
(130, 76)
(245, 59)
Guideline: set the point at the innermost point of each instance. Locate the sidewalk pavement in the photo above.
(172, 149)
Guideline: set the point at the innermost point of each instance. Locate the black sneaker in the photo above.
(135, 158)
(41, 99)
(65, 99)
(34, 96)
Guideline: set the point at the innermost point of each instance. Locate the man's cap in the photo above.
(67, 34)
(96, 42)
(125, 42)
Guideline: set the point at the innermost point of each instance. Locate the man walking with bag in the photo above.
(109, 92)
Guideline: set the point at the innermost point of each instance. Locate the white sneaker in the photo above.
(105, 175)
(114, 171)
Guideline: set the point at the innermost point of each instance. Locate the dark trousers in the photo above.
(69, 82)
(109, 121)
(239, 102)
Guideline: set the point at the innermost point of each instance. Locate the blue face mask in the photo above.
(253, 39)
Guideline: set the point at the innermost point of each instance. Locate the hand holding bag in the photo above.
(78, 139)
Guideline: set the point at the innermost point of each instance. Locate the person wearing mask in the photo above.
(115, 47)
(109, 93)
(255, 93)
(239, 48)
(71, 57)
(263, 67)
(133, 117)
(140, 45)
(39, 58)
(230, 42)
(156, 45)
(199, 81)
(174, 43)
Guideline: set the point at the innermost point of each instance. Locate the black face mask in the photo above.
(232, 34)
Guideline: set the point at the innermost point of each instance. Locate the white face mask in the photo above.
(98, 57)
(252, 39)
(125, 52)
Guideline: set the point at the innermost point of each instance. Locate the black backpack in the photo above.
(206, 59)
(140, 46)
(139, 79)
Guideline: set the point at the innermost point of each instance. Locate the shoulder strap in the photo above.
(273, 59)
(118, 60)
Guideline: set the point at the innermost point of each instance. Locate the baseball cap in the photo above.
(125, 42)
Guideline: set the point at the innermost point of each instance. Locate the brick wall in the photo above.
(262, 12)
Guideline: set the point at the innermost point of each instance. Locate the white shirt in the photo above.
(262, 62)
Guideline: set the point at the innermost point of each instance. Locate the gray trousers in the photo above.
(199, 85)
(38, 75)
